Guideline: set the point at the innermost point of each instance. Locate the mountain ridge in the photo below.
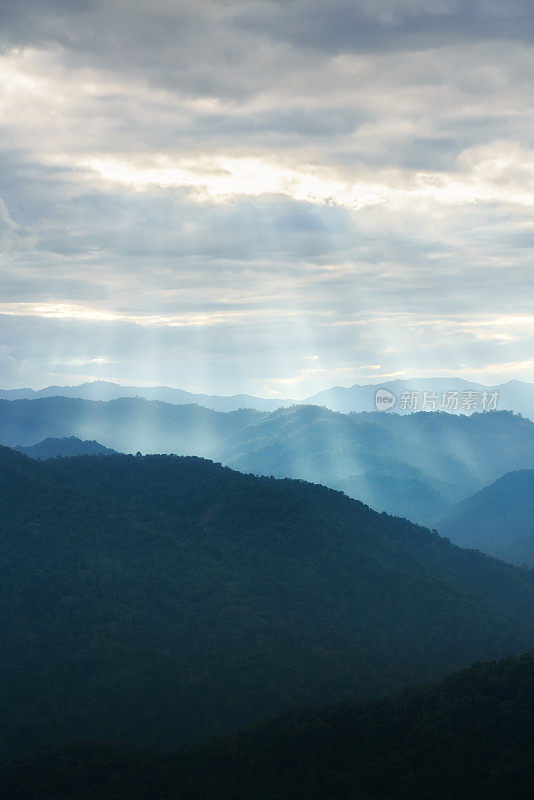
(63, 447)
(499, 519)
(514, 395)
(416, 465)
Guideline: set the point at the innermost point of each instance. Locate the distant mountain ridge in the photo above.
(454, 395)
(498, 520)
(514, 396)
(104, 390)
(415, 465)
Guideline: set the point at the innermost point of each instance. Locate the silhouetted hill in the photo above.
(498, 520)
(66, 446)
(516, 396)
(421, 464)
(157, 599)
(105, 390)
(128, 424)
(470, 736)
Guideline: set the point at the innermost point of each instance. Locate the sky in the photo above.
(266, 196)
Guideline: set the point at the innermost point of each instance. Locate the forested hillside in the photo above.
(470, 736)
(498, 520)
(417, 466)
(159, 599)
(64, 447)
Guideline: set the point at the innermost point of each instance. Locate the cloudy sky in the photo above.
(270, 196)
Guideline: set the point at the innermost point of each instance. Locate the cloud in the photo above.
(7, 226)
(210, 192)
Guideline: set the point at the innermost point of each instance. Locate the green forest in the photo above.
(468, 737)
(161, 599)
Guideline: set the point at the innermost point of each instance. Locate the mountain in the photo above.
(469, 736)
(417, 465)
(160, 599)
(513, 396)
(498, 520)
(347, 399)
(66, 446)
(104, 390)
(411, 497)
(126, 424)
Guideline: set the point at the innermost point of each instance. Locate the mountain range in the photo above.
(498, 520)
(105, 390)
(454, 395)
(416, 466)
(160, 599)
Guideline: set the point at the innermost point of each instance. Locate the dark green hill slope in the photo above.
(498, 520)
(157, 599)
(65, 446)
(470, 737)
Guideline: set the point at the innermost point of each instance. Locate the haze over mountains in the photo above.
(425, 394)
(498, 520)
(159, 599)
(64, 447)
(104, 390)
(417, 466)
(234, 235)
(453, 395)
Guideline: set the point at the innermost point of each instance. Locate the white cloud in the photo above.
(243, 184)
